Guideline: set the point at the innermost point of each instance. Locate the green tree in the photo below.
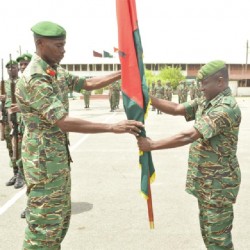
(150, 77)
(171, 74)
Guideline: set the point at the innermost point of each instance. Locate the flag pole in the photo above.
(150, 206)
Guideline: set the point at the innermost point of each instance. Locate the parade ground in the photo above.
(108, 211)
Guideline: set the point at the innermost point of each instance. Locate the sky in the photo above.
(172, 31)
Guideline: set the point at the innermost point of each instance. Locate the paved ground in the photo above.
(108, 211)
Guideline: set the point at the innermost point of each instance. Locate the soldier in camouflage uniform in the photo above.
(192, 90)
(198, 92)
(42, 95)
(159, 93)
(111, 97)
(213, 170)
(17, 178)
(86, 97)
(152, 93)
(23, 62)
(182, 92)
(168, 91)
(116, 90)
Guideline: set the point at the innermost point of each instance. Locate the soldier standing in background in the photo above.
(152, 92)
(168, 91)
(3, 113)
(17, 178)
(116, 90)
(198, 92)
(185, 91)
(182, 92)
(112, 97)
(213, 175)
(192, 90)
(86, 98)
(23, 61)
(159, 93)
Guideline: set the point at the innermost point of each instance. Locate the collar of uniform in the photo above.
(39, 66)
(214, 101)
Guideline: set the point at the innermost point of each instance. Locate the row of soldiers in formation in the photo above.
(159, 91)
(11, 124)
(166, 92)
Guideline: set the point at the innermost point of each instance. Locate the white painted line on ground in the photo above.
(12, 201)
(18, 195)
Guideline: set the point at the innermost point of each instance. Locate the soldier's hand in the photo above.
(13, 109)
(144, 143)
(128, 126)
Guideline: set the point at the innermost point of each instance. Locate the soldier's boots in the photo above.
(23, 214)
(19, 180)
(11, 181)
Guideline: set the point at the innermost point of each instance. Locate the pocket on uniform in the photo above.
(56, 158)
(33, 159)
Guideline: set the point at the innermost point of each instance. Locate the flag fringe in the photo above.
(147, 109)
(152, 178)
(144, 195)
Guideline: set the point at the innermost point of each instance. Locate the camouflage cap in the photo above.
(24, 57)
(210, 69)
(11, 62)
(49, 30)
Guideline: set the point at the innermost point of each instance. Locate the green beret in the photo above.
(49, 30)
(24, 57)
(210, 69)
(11, 62)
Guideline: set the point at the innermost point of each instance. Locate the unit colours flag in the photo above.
(97, 54)
(134, 87)
(107, 54)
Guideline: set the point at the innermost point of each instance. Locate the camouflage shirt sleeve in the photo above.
(75, 83)
(215, 122)
(45, 101)
(190, 108)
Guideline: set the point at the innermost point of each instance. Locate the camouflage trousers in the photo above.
(8, 143)
(116, 99)
(48, 213)
(18, 162)
(112, 102)
(86, 100)
(216, 225)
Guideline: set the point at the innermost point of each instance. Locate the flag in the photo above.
(107, 54)
(134, 87)
(97, 54)
(120, 53)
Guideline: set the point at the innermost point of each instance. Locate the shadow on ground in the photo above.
(81, 207)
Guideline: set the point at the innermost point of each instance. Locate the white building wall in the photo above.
(233, 86)
(243, 91)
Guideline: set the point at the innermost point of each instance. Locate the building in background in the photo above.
(239, 73)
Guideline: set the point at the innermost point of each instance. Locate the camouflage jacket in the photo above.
(159, 91)
(8, 101)
(42, 95)
(213, 169)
